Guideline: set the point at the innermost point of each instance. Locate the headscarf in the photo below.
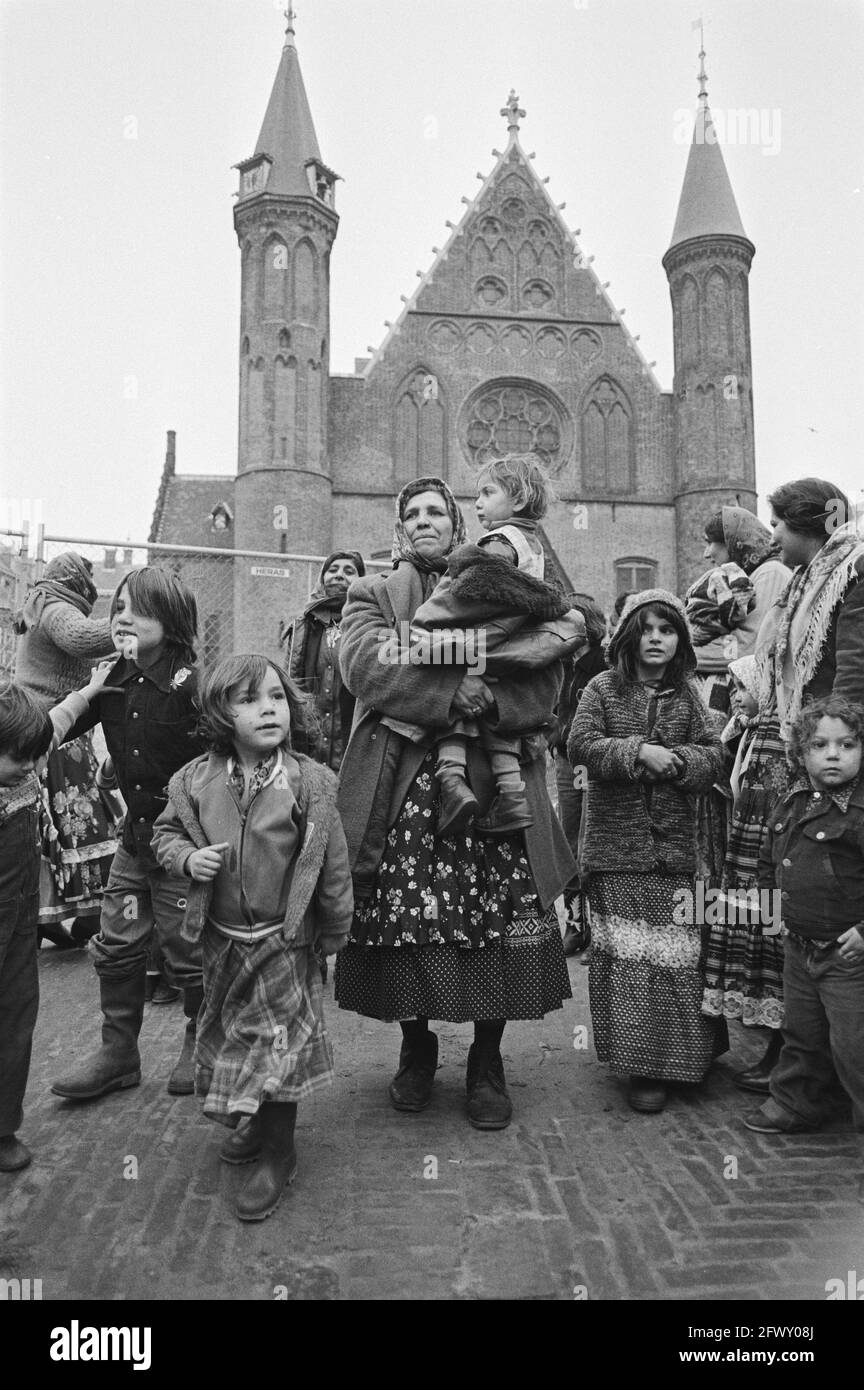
(67, 579)
(748, 539)
(353, 555)
(319, 599)
(403, 550)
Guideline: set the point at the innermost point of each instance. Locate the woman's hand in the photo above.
(659, 761)
(473, 697)
(204, 864)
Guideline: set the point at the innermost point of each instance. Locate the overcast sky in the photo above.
(121, 120)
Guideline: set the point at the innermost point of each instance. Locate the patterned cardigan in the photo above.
(633, 824)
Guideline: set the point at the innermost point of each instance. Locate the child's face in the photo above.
(493, 506)
(261, 718)
(132, 634)
(14, 767)
(833, 755)
(742, 701)
(657, 645)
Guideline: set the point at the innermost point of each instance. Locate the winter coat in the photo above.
(634, 825)
(202, 810)
(380, 765)
(311, 646)
(56, 654)
(816, 858)
(150, 720)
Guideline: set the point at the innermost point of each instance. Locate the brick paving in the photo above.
(578, 1194)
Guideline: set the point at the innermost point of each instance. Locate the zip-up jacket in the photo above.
(816, 859)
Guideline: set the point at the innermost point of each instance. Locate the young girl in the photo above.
(149, 718)
(643, 734)
(255, 827)
(28, 733)
(482, 591)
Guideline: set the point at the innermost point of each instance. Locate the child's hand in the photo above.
(98, 676)
(851, 945)
(204, 864)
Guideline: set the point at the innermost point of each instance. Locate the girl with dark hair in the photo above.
(643, 734)
(446, 926)
(149, 717)
(254, 826)
(58, 641)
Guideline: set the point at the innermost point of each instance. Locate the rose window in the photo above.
(515, 418)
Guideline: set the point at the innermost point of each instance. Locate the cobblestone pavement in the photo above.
(580, 1196)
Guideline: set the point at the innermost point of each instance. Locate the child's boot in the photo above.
(277, 1167)
(243, 1145)
(458, 803)
(13, 1154)
(508, 813)
(117, 1064)
(181, 1082)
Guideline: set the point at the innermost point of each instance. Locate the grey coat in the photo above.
(633, 825)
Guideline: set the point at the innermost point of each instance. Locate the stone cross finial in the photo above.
(513, 111)
(289, 19)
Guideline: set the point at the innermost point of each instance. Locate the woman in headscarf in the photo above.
(810, 643)
(735, 537)
(460, 928)
(58, 643)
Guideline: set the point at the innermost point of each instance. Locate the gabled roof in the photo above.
(707, 206)
(288, 135)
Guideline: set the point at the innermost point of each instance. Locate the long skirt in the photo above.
(78, 839)
(261, 1034)
(744, 967)
(453, 929)
(644, 982)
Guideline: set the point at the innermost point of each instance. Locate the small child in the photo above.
(149, 716)
(28, 733)
(718, 602)
(814, 853)
(513, 494)
(255, 827)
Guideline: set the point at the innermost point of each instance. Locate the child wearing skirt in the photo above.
(644, 736)
(255, 827)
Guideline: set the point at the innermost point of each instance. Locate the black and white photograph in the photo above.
(432, 665)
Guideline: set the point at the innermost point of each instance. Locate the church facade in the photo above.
(508, 343)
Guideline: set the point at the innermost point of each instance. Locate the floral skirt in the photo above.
(744, 967)
(78, 838)
(261, 1034)
(453, 929)
(644, 981)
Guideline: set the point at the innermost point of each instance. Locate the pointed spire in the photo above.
(707, 206)
(288, 134)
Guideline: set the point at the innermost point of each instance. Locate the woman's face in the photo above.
(427, 524)
(716, 553)
(796, 547)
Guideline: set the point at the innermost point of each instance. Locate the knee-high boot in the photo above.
(117, 1064)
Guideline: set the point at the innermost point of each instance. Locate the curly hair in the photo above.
(223, 680)
(526, 482)
(827, 707)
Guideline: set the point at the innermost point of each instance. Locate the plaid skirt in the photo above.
(261, 1034)
(744, 967)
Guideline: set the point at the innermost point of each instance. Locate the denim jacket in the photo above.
(149, 719)
(816, 859)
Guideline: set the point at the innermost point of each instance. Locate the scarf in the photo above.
(403, 551)
(67, 579)
(793, 633)
(748, 539)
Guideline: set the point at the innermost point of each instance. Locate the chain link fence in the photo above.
(209, 573)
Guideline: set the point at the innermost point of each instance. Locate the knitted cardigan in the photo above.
(315, 911)
(55, 656)
(634, 825)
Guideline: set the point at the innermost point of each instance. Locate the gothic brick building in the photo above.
(508, 342)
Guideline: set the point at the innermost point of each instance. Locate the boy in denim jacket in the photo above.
(814, 853)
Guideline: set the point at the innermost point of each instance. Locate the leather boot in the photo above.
(117, 1064)
(508, 813)
(13, 1154)
(489, 1105)
(411, 1087)
(458, 804)
(181, 1082)
(277, 1167)
(243, 1145)
(758, 1077)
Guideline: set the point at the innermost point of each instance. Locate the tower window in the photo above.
(635, 573)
